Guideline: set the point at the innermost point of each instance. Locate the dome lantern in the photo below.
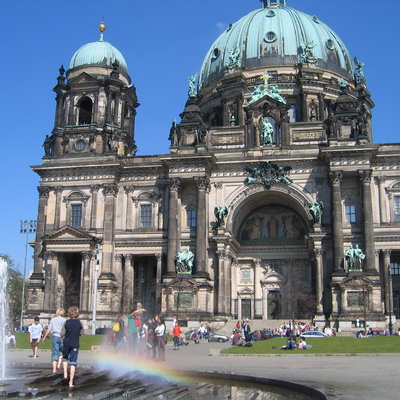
(273, 3)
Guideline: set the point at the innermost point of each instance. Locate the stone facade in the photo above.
(268, 251)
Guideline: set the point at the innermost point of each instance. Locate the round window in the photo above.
(315, 19)
(271, 13)
(80, 144)
(270, 37)
(329, 44)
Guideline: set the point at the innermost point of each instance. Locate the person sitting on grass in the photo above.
(302, 344)
(290, 344)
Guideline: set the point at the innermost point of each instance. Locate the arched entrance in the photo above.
(273, 259)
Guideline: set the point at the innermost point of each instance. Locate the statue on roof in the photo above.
(306, 53)
(234, 59)
(359, 71)
(192, 87)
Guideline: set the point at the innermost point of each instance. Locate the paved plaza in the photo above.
(349, 377)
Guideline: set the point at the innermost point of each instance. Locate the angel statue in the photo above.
(184, 261)
(316, 211)
(221, 212)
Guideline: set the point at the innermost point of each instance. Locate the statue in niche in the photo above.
(354, 257)
(267, 131)
(316, 209)
(221, 212)
(184, 261)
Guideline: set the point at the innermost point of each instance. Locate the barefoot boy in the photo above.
(72, 331)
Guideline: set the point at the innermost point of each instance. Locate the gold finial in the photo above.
(102, 27)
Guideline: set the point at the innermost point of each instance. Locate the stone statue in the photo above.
(192, 86)
(267, 131)
(221, 212)
(173, 135)
(316, 211)
(359, 71)
(48, 146)
(354, 257)
(184, 261)
(267, 174)
(234, 59)
(306, 53)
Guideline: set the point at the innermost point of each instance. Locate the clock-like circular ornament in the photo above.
(80, 144)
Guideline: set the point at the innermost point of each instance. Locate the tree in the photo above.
(14, 292)
(302, 301)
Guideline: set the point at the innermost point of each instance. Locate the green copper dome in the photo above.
(276, 35)
(98, 53)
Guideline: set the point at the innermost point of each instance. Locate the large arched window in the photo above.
(85, 111)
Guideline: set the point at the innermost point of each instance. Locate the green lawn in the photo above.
(86, 342)
(328, 345)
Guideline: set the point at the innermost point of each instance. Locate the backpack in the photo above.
(116, 327)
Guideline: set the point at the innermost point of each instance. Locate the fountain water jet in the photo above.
(3, 316)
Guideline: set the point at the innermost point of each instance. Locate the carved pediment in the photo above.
(68, 234)
(84, 77)
(183, 284)
(245, 290)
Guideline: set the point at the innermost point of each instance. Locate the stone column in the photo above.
(382, 200)
(58, 191)
(127, 292)
(87, 256)
(257, 288)
(50, 281)
(110, 192)
(158, 280)
(108, 107)
(117, 299)
(40, 229)
(369, 240)
(129, 207)
(116, 110)
(173, 241)
(59, 110)
(386, 281)
(240, 119)
(221, 304)
(71, 114)
(319, 279)
(337, 221)
(203, 185)
(305, 107)
(94, 189)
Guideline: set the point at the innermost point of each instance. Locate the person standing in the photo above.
(72, 330)
(134, 325)
(35, 333)
(176, 333)
(55, 327)
(160, 331)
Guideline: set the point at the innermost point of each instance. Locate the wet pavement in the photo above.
(350, 377)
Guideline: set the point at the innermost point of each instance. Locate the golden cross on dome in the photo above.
(265, 77)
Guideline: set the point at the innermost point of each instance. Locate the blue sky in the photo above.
(164, 42)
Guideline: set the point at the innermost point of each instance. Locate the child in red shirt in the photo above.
(176, 333)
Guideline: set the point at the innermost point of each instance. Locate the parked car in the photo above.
(22, 329)
(215, 337)
(312, 334)
(102, 331)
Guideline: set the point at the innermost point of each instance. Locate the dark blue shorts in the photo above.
(70, 354)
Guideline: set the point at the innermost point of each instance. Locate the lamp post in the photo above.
(390, 299)
(26, 227)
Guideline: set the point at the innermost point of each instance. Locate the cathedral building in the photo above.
(273, 201)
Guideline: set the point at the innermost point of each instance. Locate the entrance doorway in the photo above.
(274, 308)
(72, 279)
(246, 308)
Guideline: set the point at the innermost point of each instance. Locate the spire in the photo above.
(102, 28)
(273, 3)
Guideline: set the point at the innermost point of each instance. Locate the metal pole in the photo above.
(26, 227)
(390, 300)
(96, 272)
